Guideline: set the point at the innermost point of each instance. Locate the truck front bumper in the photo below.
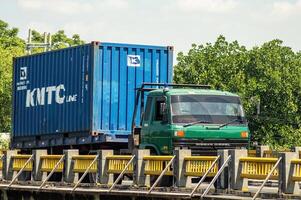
(209, 147)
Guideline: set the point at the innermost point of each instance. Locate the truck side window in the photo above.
(148, 108)
(160, 104)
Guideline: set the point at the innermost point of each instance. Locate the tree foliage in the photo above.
(11, 45)
(270, 73)
(59, 39)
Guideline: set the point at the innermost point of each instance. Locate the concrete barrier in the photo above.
(140, 178)
(104, 177)
(69, 175)
(236, 181)
(288, 169)
(182, 180)
(7, 164)
(38, 175)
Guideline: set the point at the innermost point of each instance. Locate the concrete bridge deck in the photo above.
(97, 192)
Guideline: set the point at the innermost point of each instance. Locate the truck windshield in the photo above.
(215, 109)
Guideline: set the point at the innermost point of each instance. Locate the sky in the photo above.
(178, 23)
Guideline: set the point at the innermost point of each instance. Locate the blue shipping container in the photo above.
(83, 94)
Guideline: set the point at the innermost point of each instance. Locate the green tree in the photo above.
(10, 46)
(271, 73)
(9, 37)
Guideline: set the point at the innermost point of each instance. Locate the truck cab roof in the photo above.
(185, 91)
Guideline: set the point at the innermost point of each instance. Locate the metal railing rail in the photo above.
(252, 153)
(215, 177)
(21, 170)
(161, 175)
(154, 165)
(297, 169)
(121, 174)
(49, 161)
(258, 168)
(1, 161)
(52, 171)
(116, 164)
(204, 176)
(198, 165)
(85, 173)
(81, 162)
(267, 178)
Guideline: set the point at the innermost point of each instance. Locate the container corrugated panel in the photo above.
(83, 89)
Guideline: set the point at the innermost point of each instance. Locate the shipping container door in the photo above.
(51, 92)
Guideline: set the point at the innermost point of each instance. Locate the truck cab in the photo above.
(199, 119)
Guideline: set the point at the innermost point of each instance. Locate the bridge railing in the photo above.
(82, 162)
(141, 166)
(49, 162)
(19, 162)
(117, 163)
(154, 165)
(198, 165)
(258, 168)
(1, 165)
(297, 169)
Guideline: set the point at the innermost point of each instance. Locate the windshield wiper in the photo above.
(196, 122)
(230, 122)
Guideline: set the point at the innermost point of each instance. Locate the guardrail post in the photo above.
(179, 168)
(69, 175)
(286, 171)
(104, 177)
(7, 164)
(236, 181)
(223, 180)
(37, 174)
(140, 179)
(297, 150)
(261, 149)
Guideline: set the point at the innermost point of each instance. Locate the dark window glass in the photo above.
(159, 107)
(212, 108)
(148, 108)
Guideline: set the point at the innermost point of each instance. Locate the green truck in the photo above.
(188, 116)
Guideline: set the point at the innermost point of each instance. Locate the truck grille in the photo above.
(208, 147)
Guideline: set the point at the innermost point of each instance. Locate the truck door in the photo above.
(145, 133)
(159, 134)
